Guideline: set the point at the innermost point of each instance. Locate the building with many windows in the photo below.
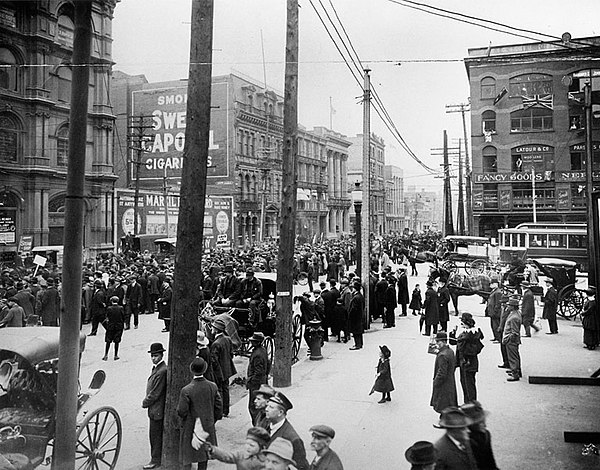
(394, 199)
(527, 126)
(36, 45)
(423, 209)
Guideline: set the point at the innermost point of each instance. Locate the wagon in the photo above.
(570, 299)
(28, 387)
(471, 253)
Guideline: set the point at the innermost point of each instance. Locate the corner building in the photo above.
(528, 121)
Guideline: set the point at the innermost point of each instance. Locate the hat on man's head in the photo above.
(429, 283)
(421, 453)
(98, 282)
(198, 366)
(257, 337)
(512, 302)
(385, 350)
(282, 448)
(219, 324)
(467, 319)
(250, 271)
(19, 285)
(281, 400)
(441, 336)
(50, 281)
(156, 348)
(525, 284)
(322, 430)
(591, 290)
(453, 418)
(259, 435)
(228, 269)
(265, 390)
(474, 411)
(356, 284)
(201, 339)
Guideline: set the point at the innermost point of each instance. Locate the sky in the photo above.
(152, 37)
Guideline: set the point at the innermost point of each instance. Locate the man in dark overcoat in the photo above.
(454, 450)
(98, 304)
(153, 289)
(528, 309)
(330, 297)
(258, 370)
(25, 299)
(444, 384)
(355, 316)
(229, 290)
(493, 309)
(431, 306)
(403, 295)
(511, 339)
(550, 307)
(164, 304)
(380, 298)
(154, 401)
(48, 303)
(221, 351)
(199, 399)
(133, 300)
(443, 301)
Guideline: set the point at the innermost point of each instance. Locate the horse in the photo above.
(462, 285)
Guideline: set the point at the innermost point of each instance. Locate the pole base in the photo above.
(315, 358)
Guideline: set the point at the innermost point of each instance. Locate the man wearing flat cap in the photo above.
(199, 399)
(280, 427)
(326, 458)
(421, 455)
(258, 370)
(453, 448)
(154, 401)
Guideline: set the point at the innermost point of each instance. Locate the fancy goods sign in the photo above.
(514, 177)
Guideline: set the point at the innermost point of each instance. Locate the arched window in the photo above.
(65, 29)
(62, 145)
(488, 119)
(63, 78)
(9, 138)
(488, 88)
(57, 204)
(9, 72)
(490, 159)
(530, 85)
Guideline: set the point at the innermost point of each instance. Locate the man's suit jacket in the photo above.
(288, 432)
(528, 305)
(98, 304)
(156, 392)
(451, 457)
(330, 461)
(258, 369)
(221, 351)
(133, 296)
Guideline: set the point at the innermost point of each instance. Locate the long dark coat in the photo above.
(444, 385)
(222, 352)
(432, 316)
(528, 306)
(550, 304)
(288, 432)
(383, 382)
(164, 302)
(403, 296)
(588, 320)
(449, 457)
(416, 301)
(258, 368)
(355, 314)
(198, 399)
(443, 299)
(156, 392)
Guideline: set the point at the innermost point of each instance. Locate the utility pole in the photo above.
(461, 203)
(462, 108)
(448, 224)
(366, 167)
(282, 368)
(589, 178)
(533, 194)
(166, 200)
(137, 145)
(190, 226)
(65, 441)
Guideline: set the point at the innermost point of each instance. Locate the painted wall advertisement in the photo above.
(161, 115)
(218, 216)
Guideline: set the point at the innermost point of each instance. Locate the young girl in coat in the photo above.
(383, 380)
(416, 301)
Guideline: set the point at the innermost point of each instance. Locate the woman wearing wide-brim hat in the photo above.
(383, 380)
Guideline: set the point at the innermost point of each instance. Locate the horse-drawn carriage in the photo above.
(239, 318)
(474, 254)
(28, 387)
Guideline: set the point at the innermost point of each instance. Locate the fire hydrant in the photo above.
(314, 339)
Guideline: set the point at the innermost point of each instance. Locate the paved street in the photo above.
(526, 421)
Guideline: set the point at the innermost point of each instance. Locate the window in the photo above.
(63, 77)
(490, 160)
(488, 88)
(490, 196)
(531, 119)
(62, 146)
(65, 30)
(538, 240)
(529, 85)
(557, 240)
(9, 139)
(578, 81)
(538, 157)
(489, 121)
(240, 141)
(577, 241)
(578, 196)
(578, 156)
(8, 70)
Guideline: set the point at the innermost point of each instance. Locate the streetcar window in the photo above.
(537, 241)
(556, 240)
(521, 239)
(513, 239)
(577, 241)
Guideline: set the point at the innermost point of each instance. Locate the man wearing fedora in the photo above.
(198, 399)
(258, 370)
(453, 448)
(326, 458)
(528, 309)
(444, 385)
(550, 306)
(479, 436)
(154, 401)
(279, 455)
(221, 351)
(421, 455)
(280, 427)
(511, 339)
(355, 315)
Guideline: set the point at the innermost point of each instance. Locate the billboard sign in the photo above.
(160, 115)
(8, 227)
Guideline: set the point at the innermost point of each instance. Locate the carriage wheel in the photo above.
(269, 347)
(99, 440)
(478, 266)
(570, 302)
(296, 337)
(450, 266)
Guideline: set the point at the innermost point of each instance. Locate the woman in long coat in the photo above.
(430, 305)
(588, 320)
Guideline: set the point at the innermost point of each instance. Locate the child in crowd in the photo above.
(249, 458)
(383, 379)
(416, 301)
(115, 322)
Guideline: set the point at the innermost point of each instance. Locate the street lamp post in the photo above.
(357, 196)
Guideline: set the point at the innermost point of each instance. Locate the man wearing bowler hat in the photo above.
(422, 455)
(511, 339)
(154, 401)
(198, 399)
(550, 306)
(453, 448)
(279, 426)
(279, 455)
(221, 351)
(326, 458)
(444, 384)
(258, 370)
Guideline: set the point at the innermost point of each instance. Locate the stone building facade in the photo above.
(394, 199)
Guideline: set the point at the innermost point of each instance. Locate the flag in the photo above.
(501, 95)
(576, 96)
(538, 101)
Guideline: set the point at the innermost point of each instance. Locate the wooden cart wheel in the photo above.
(475, 267)
(99, 440)
(450, 266)
(570, 302)
(270, 348)
(296, 337)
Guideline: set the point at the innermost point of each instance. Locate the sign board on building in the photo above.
(513, 177)
(25, 243)
(505, 200)
(574, 176)
(8, 227)
(164, 109)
